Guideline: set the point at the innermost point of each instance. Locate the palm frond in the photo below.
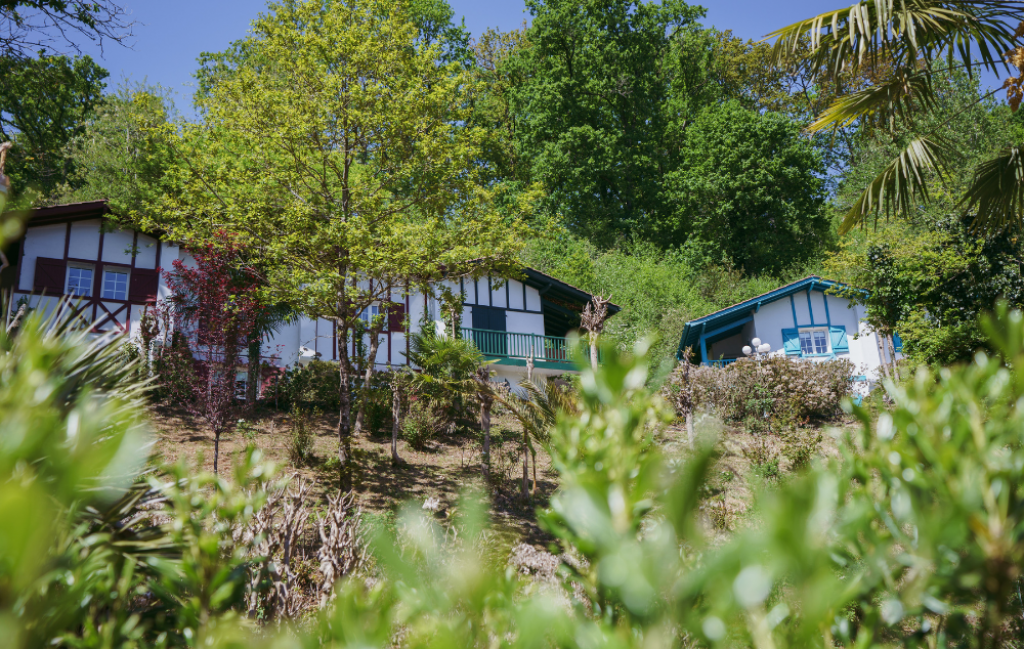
(996, 195)
(900, 32)
(896, 97)
(901, 185)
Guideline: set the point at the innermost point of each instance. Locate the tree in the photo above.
(337, 149)
(43, 104)
(215, 308)
(749, 191)
(918, 42)
(118, 153)
(28, 27)
(927, 277)
(592, 108)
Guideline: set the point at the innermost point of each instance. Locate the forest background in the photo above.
(651, 158)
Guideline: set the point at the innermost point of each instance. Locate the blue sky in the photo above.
(170, 35)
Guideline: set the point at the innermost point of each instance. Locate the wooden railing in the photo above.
(505, 344)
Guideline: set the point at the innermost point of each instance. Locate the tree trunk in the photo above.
(252, 386)
(367, 379)
(533, 454)
(216, 450)
(881, 354)
(892, 355)
(345, 411)
(396, 413)
(485, 424)
(689, 428)
(526, 467)
(593, 351)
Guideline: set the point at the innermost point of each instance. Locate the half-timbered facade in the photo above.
(115, 273)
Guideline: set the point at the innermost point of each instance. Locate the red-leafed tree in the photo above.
(215, 308)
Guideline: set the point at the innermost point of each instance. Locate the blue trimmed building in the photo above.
(801, 320)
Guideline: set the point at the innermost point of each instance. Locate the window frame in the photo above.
(76, 265)
(368, 320)
(811, 331)
(119, 270)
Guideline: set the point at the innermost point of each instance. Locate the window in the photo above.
(79, 281)
(115, 284)
(813, 341)
(369, 313)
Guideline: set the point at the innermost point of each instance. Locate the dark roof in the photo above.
(722, 318)
(548, 284)
(68, 212)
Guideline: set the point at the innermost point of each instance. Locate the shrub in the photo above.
(300, 447)
(421, 424)
(377, 417)
(315, 385)
(788, 390)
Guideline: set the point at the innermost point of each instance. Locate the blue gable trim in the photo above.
(693, 330)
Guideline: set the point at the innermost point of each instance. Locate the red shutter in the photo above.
(142, 287)
(396, 317)
(50, 275)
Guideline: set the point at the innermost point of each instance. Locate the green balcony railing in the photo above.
(504, 344)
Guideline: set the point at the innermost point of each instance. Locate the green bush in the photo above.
(377, 417)
(300, 445)
(421, 424)
(314, 385)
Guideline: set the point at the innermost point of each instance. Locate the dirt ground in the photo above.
(450, 466)
(447, 467)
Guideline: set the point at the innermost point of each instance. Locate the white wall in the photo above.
(85, 240)
(41, 241)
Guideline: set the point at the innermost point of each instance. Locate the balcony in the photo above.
(514, 348)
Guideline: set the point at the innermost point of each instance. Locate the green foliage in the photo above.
(784, 390)
(313, 385)
(119, 154)
(914, 46)
(592, 110)
(44, 103)
(300, 445)
(658, 290)
(749, 191)
(447, 367)
(421, 424)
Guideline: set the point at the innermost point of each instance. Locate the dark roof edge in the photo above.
(538, 280)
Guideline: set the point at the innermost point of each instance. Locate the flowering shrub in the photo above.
(777, 386)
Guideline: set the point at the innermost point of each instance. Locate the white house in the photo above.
(800, 320)
(115, 273)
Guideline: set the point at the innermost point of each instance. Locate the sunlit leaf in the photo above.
(900, 186)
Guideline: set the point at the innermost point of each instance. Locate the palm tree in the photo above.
(537, 414)
(916, 40)
(453, 369)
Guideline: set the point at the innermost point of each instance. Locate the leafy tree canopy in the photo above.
(750, 191)
(43, 104)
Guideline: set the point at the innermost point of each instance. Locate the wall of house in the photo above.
(320, 336)
(819, 309)
(86, 242)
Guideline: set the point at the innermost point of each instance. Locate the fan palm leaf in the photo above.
(996, 194)
(901, 32)
(901, 186)
(898, 97)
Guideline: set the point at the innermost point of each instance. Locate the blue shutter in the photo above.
(791, 341)
(897, 342)
(840, 343)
